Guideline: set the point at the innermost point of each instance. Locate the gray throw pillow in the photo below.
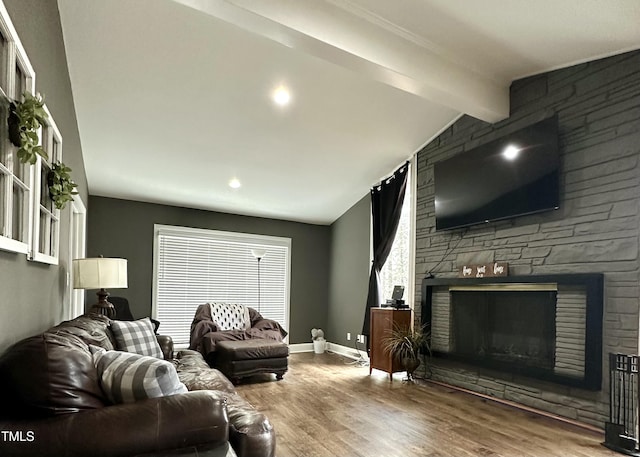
(137, 337)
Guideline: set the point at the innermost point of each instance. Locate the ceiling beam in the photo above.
(344, 34)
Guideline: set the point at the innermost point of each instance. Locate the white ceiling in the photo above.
(173, 96)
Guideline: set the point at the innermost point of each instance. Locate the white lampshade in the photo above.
(258, 253)
(99, 273)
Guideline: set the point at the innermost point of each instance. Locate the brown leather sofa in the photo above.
(51, 404)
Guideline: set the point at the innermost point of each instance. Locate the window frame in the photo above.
(233, 237)
(52, 254)
(77, 250)
(16, 57)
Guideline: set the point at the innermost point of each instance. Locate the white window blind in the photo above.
(196, 266)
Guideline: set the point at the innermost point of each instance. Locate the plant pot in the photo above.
(319, 346)
(410, 364)
(14, 127)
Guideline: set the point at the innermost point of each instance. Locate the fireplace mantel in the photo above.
(591, 283)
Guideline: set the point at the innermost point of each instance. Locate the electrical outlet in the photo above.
(348, 336)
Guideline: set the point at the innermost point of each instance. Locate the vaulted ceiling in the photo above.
(174, 97)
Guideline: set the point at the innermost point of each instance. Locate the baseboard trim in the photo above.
(300, 347)
(348, 352)
(331, 347)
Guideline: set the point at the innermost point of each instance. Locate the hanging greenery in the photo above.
(61, 186)
(25, 118)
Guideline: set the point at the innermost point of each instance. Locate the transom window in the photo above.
(197, 266)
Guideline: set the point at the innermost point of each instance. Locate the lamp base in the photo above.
(103, 306)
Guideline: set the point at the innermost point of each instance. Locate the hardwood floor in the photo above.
(325, 407)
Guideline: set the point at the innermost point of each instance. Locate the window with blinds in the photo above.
(196, 266)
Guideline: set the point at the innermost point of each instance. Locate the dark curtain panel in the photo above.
(386, 206)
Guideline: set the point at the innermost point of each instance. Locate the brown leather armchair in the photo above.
(205, 334)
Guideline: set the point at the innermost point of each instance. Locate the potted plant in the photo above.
(406, 344)
(25, 118)
(61, 186)
(319, 343)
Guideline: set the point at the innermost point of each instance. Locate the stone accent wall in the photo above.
(596, 229)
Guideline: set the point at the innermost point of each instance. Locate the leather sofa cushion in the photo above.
(195, 373)
(92, 329)
(46, 375)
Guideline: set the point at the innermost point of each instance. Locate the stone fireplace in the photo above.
(595, 229)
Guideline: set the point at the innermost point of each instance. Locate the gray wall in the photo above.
(349, 275)
(595, 230)
(32, 295)
(121, 228)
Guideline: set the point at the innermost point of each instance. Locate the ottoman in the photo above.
(237, 359)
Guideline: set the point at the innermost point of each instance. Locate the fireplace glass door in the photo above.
(505, 328)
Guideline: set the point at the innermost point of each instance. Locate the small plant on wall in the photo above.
(61, 186)
(25, 119)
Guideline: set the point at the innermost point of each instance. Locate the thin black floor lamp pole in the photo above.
(258, 254)
(259, 284)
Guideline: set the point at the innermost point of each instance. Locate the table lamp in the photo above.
(100, 273)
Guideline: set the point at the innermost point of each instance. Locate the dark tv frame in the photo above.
(550, 182)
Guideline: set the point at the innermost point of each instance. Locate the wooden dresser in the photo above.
(382, 322)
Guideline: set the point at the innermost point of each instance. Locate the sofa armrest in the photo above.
(152, 425)
(166, 345)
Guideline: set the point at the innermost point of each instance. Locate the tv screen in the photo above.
(512, 176)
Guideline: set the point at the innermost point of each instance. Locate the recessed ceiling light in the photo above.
(281, 96)
(511, 152)
(234, 183)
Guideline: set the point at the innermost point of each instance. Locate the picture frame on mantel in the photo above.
(484, 270)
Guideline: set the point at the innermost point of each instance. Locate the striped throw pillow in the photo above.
(126, 377)
(137, 337)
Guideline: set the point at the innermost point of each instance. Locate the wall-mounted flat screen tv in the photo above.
(515, 175)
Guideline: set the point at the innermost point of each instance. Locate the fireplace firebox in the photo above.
(504, 329)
